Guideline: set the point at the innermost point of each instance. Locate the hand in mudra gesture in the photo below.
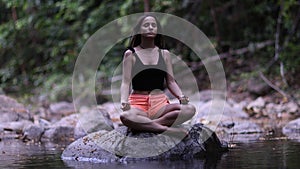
(184, 99)
(125, 106)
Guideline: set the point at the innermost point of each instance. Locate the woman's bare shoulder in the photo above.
(128, 56)
(166, 54)
(165, 51)
(128, 52)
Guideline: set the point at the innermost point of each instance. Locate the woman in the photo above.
(147, 67)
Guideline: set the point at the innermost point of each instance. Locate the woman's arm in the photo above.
(126, 77)
(171, 83)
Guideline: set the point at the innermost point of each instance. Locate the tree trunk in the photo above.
(146, 6)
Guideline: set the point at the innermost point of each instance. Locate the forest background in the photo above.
(41, 40)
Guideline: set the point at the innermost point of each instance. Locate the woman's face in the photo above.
(149, 27)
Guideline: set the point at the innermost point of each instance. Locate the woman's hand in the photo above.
(125, 106)
(183, 99)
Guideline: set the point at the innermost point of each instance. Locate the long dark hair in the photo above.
(136, 36)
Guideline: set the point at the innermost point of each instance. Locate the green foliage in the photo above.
(290, 49)
(40, 40)
(58, 87)
(46, 37)
(291, 59)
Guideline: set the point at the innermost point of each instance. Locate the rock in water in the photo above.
(292, 129)
(122, 144)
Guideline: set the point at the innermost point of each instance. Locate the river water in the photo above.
(265, 154)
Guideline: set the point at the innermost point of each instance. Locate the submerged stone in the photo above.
(124, 145)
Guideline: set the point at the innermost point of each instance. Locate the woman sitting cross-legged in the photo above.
(146, 68)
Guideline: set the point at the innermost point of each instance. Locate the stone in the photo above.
(256, 107)
(62, 130)
(257, 103)
(33, 132)
(16, 126)
(291, 107)
(114, 111)
(122, 144)
(212, 109)
(239, 130)
(70, 120)
(92, 120)
(292, 129)
(258, 87)
(63, 108)
(78, 125)
(58, 134)
(244, 127)
(11, 110)
(60, 110)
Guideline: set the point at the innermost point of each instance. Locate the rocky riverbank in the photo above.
(232, 121)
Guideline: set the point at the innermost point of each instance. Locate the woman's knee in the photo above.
(124, 114)
(124, 117)
(189, 109)
(128, 116)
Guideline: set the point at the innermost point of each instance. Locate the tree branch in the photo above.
(250, 48)
(273, 86)
(277, 35)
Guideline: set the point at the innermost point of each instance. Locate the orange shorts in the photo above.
(150, 103)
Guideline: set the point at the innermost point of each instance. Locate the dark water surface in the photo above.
(277, 154)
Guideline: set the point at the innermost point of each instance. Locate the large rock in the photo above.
(62, 130)
(78, 125)
(60, 110)
(16, 126)
(11, 110)
(292, 129)
(124, 145)
(228, 120)
(14, 117)
(33, 132)
(218, 107)
(92, 120)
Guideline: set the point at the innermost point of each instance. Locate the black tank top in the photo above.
(148, 77)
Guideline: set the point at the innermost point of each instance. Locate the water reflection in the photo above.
(259, 154)
(209, 163)
(282, 154)
(17, 154)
